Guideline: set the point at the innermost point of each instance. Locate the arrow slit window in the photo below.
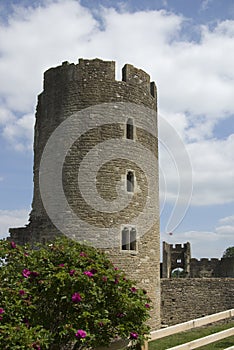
(130, 181)
(130, 129)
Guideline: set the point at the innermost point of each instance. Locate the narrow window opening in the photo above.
(125, 234)
(130, 129)
(133, 239)
(128, 238)
(130, 181)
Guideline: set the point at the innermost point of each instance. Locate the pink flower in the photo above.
(133, 290)
(1, 311)
(104, 278)
(83, 254)
(21, 292)
(61, 265)
(116, 268)
(120, 315)
(80, 333)
(26, 273)
(76, 298)
(13, 245)
(116, 281)
(133, 335)
(36, 346)
(71, 272)
(147, 306)
(88, 273)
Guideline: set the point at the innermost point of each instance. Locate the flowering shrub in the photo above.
(66, 295)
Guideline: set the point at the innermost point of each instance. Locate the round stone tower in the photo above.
(96, 168)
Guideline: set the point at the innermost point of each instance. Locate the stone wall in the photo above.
(186, 299)
(212, 267)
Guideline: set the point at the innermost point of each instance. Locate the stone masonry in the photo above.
(174, 257)
(212, 267)
(72, 88)
(185, 299)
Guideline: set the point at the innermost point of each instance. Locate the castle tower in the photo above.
(112, 198)
(178, 256)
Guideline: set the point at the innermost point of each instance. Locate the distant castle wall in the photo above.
(179, 256)
(184, 299)
(208, 288)
(212, 267)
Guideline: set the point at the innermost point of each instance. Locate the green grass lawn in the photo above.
(184, 337)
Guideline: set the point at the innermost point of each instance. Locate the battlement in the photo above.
(212, 267)
(204, 260)
(179, 246)
(99, 71)
(135, 76)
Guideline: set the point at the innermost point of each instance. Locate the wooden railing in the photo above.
(194, 324)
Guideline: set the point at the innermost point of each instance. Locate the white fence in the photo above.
(194, 324)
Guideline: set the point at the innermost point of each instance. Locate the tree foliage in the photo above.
(178, 273)
(66, 295)
(229, 253)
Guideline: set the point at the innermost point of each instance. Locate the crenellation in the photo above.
(178, 246)
(135, 76)
(96, 69)
(213, 267)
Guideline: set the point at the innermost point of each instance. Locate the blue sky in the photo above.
(188, 49)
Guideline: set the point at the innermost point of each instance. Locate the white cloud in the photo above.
(227, 230)
(35, 39)
(6, 116)
(212, 162)
(12, 218)
(225, 227)
(19, 132)
(227, 220)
